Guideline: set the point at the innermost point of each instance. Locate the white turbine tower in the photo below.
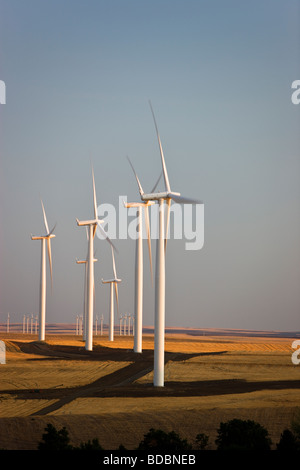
(85, 297)
(138, 295)
(43, 238)
(120, 324)
(92, 224)
(124, 323)
(161, 197)
(113, 286)
(101, 325)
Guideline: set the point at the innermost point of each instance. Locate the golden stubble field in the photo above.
(108, 393)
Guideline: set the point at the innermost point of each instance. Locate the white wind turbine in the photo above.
(161, 197)
(138, 295)
(92, 224)
(120, 324)
(85, 262)
(124, 324)
(113, 286)
(43, 238)
(101, 325)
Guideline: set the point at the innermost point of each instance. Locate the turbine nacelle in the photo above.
(138, 204)
(84, 261)
(158, 196)
(108, 281)
(89, 222)
(41, 237)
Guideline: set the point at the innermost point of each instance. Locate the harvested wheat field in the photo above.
(108, 393)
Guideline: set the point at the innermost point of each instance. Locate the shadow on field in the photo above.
(122, 383)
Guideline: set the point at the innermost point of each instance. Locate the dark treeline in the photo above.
(233, 435)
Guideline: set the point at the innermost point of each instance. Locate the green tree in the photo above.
(202, 441)
(238, 434)
(288, 442)
(160, 441)
(90, 445)
(295, 424)
(53, 439)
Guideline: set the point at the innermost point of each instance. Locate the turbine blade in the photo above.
(94, 194)
(114, 264)
(149, 239)
(166, 178)
(155, 186)
(168, 221)
(136, 177)
(45, 218)
(117, 297)
(106, 237)
(185, 200)
(50, 259)
(52, 230)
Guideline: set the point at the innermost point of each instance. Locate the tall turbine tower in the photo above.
(113, 286)
(92, 224)
(161, 197)
(43, 238)
(138, 295)
(85, 262)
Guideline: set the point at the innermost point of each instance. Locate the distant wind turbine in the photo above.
(124, 324)
(43, 238)
(92, 224)
(161, 197)
(101, 325)
(113, 286)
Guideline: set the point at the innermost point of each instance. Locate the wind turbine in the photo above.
(77, 330)
(43, 238)
(120, 324)
(85, 262)
(161, 197)
(92, 224)
(113, 285)
(96, 326)
(101, 325)
(138, 296)
(124, 324)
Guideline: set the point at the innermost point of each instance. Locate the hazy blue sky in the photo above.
(79, 75)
